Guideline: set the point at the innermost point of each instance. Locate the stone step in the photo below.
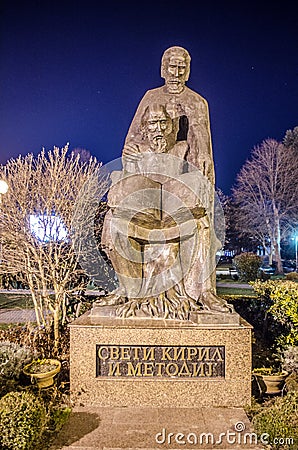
(91, 428)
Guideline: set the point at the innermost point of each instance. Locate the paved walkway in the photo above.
(17, 315)
(91, 428)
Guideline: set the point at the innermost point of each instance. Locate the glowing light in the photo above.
(3, 187)
(47, 228)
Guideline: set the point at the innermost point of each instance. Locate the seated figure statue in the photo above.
(158, 225)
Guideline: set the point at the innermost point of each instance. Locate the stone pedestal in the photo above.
(159, 363)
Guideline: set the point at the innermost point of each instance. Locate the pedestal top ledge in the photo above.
(89, 320)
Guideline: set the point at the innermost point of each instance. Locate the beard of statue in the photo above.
(159, 129)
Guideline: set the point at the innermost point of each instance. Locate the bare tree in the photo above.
(266, 193)
(291, 138)
(84, 154)
(234, 241)
(36, 217)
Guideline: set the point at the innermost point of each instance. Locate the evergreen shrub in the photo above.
(248, 265)
(23, 418)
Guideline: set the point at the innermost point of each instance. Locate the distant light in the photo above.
(47, 228)
(3, 187)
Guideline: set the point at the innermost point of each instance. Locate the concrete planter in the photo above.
(271, 384)
(43, 371)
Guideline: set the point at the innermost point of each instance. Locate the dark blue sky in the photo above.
(75, 71)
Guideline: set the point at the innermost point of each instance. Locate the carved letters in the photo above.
(160, 361)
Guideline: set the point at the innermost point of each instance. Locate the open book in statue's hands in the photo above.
(156, 204)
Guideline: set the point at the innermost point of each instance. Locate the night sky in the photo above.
(75, 71)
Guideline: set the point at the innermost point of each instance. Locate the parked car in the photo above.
(267, 269)
(289, 266)
(226, 269)
(225, 260)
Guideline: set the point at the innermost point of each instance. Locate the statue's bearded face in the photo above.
(175, 74)
(159, 126)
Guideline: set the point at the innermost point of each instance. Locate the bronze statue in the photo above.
(159, 232)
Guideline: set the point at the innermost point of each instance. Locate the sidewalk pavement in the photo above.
(17, 315)
(96, 428)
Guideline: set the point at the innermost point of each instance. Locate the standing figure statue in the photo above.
(186, 107)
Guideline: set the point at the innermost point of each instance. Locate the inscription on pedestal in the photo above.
(160, 361)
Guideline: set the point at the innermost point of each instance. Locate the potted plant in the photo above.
(270, 380)
(43, 371)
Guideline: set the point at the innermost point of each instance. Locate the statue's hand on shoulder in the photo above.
(131, 153)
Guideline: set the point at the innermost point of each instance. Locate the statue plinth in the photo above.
(203, 317)
(159, 363)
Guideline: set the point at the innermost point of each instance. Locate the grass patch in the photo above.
(226, 279)
(4, 327)
(235, 291)
(13, 300)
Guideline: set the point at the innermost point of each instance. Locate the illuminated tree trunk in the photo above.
(276, 242)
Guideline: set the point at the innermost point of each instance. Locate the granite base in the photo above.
(94, 339)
